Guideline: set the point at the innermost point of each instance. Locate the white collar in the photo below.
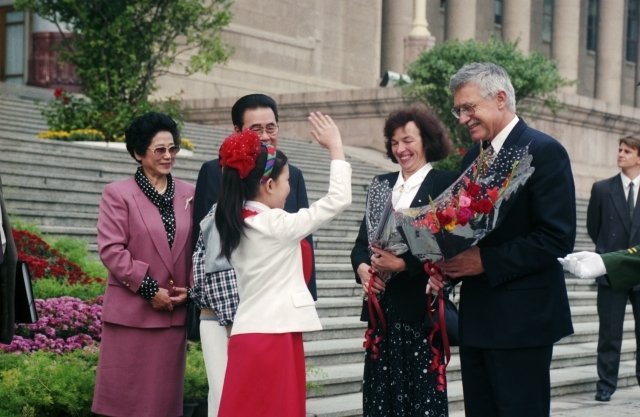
(626, 180)
(498, 141)
(256, 206)
(415, 179)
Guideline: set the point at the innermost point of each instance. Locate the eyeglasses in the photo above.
(466, 109)
(271, 129)
(161, 150)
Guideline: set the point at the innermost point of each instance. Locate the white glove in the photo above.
(586, 265)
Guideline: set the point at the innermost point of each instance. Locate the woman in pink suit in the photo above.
(144, 235)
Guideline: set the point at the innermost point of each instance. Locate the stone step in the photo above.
(332, 378)
(338, 306)
(343, 398)
(338, 327)
(338, 288)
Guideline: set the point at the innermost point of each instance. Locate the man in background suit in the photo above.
(513, 301)
(257, 112)
(8, 260)
(613, 224)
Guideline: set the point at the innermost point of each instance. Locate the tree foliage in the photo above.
(120, 47)
(532, 76)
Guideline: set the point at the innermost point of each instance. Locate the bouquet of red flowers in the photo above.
(469, 209)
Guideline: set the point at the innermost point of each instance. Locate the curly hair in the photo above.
(435, 140)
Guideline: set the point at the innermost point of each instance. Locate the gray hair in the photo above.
(491, 79)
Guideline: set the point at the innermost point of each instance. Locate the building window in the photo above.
(498, 15)
(11, 46)
(443, 4)
(592, 25)
(632, 30)
(547, 20)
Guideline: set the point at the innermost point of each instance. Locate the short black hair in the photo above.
(251, 101)
(143, 129)
(435, 140)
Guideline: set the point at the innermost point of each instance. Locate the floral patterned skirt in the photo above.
(399, 383)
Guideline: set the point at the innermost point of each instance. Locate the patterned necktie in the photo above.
(630, 200)
(488, 154)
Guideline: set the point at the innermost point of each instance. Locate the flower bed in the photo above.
(64, 324)
(44, 261)
(49, 367)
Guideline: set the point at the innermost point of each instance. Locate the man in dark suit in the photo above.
(613, 224)
(513, 300)
(8, 259)
(259, 113)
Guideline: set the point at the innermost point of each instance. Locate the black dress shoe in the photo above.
(603, 396)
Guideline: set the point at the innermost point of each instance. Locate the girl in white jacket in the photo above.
(265, 371)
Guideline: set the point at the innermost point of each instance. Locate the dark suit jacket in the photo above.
(521, 298)
(608, 221)
(406, 290)
(7, 279)
(206, 195)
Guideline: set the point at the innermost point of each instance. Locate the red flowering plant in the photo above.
(44, 261)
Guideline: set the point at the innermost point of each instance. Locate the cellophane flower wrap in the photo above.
(382, 230)
(467, 211)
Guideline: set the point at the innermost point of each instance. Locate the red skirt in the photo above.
(265, 376)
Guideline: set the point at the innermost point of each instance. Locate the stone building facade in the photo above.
(330, 55)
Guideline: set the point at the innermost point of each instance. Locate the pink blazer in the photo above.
(132, 243)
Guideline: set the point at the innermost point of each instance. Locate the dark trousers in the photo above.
(506, 382)
(611, 311)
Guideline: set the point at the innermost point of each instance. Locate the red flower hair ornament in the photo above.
(239, 151)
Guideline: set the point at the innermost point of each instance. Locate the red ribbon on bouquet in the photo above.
(376, 317)
(440, 326)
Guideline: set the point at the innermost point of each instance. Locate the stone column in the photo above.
(516, 23)
(461, 19)
(396, 24)
(419, 39)
(565, 41)
(609, 53)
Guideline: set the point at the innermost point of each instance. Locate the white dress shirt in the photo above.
(404, 191)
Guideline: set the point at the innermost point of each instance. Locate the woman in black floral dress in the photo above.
(399, 383)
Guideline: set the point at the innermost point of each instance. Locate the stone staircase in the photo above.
(57, 185)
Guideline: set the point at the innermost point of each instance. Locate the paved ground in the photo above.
(625, 402)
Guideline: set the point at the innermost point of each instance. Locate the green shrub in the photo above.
(196, 386)
(52, 288)
(75, 250)
(19, 224)
(43, 384)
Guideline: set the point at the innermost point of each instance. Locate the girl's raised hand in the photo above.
(325, 131)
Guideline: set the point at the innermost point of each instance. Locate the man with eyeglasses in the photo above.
(259, 113)
(513, 301)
